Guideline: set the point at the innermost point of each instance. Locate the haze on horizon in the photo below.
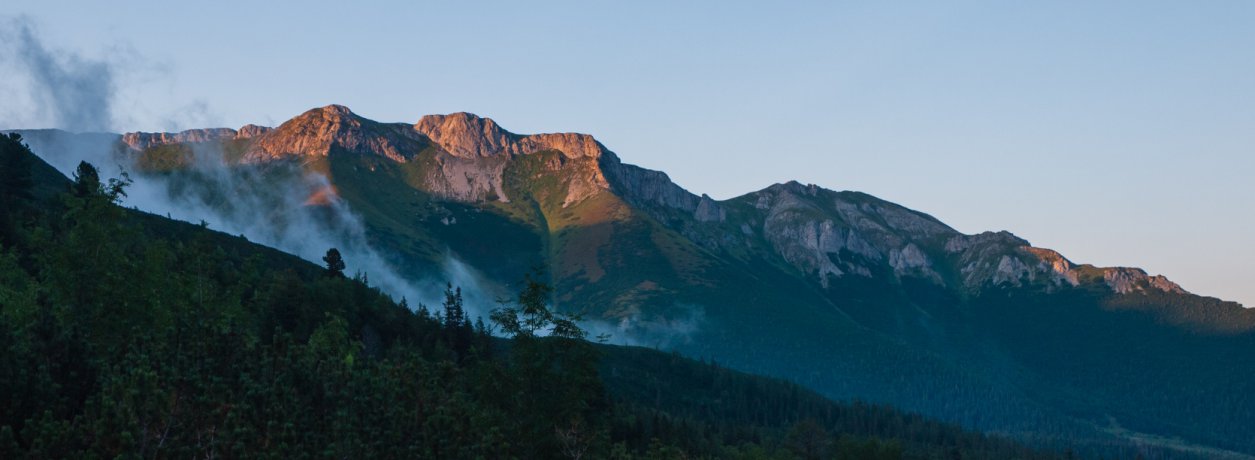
(1117, 134)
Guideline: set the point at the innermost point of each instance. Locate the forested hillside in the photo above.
(127, 335)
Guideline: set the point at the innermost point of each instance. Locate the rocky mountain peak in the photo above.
(250, 131)
(335, 110)
(333, 115)
(466, 135)
(314, 132)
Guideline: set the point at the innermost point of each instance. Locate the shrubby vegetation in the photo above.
(125, 335)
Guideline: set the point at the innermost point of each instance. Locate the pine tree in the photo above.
(454, 314)
(457, 326)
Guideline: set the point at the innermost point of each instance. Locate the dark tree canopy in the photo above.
(15, 170)
(15, 183)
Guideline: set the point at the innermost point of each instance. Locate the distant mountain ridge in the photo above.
(472, 147)
(840, 291)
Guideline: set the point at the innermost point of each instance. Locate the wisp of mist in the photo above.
(267, 205)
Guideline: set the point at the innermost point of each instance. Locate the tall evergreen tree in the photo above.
(458, 330)
(454, 313)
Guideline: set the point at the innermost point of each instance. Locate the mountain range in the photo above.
(839, 291)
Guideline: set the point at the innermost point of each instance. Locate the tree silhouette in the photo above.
(86, 180)
(15, 170)
(87, 184)
(457, 326)
(335, 264)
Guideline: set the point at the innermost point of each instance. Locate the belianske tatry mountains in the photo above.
(853, 296)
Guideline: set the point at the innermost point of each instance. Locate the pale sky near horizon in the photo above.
(1118, 133)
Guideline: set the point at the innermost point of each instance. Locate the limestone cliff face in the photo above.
(142, 141)
(466, 135)
(467, 180)
(1003, 259)
(1125, 280)
(838, 234)
(250, 131)
(653, 190)
(475, 151)
(314, 132)
(472, 139)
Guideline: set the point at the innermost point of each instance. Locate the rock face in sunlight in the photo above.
(466, 135)
(144, 141)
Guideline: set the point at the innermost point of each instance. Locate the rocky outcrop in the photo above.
(250, 131)
(911, 260)
(828, 233)
(467, 180)
(1004, 259)
(142, 141)
(314, 132)
(466, 135)
(836, 234)
(708, 210)
(1126, 280)
(475, 152)
(989, 258)
(645, 187)
(1063, 269)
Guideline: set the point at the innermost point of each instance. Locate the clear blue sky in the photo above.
(1119, 133)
